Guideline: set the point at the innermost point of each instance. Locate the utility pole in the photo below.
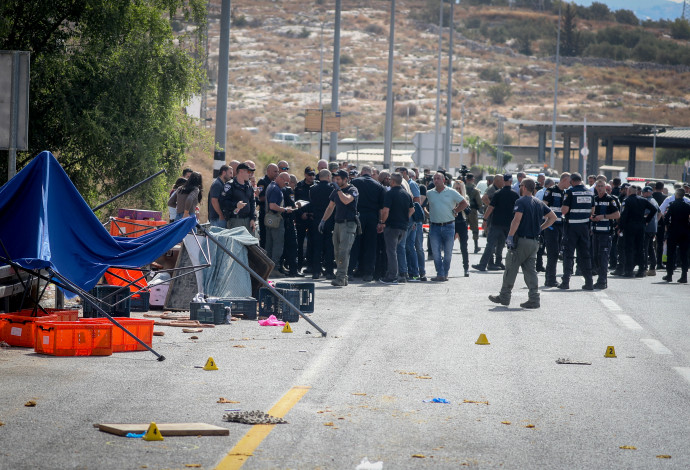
(222, 102)
(388, 132)
(552, 161)
(321, 95)
(499, 143)
(438, 84)
(333, 145)
(462, 132)
(449, 95)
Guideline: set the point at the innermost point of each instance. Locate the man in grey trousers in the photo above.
(395, 216)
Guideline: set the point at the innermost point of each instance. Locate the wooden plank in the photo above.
(184, 288)
(167, 429)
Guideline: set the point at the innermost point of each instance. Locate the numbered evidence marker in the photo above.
(287, 328)
(153, 434)
(610, 352)
(210, 364)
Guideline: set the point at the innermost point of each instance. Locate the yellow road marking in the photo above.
(244, 449)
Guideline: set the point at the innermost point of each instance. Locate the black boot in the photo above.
(588, 284)
(565, 284)
(476, 246)
(683, 278)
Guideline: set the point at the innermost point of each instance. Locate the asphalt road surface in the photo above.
(360, 392)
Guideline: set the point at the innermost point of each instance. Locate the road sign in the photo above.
(331, 122)
(312, 120)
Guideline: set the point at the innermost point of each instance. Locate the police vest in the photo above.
(604, 206)
(580, 201)
(554, 197)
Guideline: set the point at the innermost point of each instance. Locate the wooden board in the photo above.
(167, 429)
(183, 289)
(261, 264)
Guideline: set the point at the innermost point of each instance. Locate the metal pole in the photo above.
(438, 83)
(14, 116)
(499, 143)
(654, 155)
(407, 123)
(388, 132)
(333, 145)
(449, 93)
(462, 132)
(222, 104)
(357, 143)
(127, 190)
(552, 161)
(321, 95)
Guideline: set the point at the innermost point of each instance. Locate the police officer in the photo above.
(659, 197)
(522, 242)
(678, 229)
(617, 261)
(475, 204)
(271, 174)
(322, 241)
(553, 236)
(605, 212)
(343, 201)
(578, 206)
(369, 206)
(238, 202)
(632, 224)
(289, 263)
(302, 220)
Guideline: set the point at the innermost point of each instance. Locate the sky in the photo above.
(646, 9)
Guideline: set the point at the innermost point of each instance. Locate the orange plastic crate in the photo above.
(133, 228)
(19, 330)
(122, 342)
(62, 314)
(73, 338)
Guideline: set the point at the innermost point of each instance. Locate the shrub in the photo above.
(304, 33)
(626, 17)
(401, 110)
(238, 21)
(473, 22)
(375, 28)
(490, 74)
(680, 29)
(346, 59)
(499, 93)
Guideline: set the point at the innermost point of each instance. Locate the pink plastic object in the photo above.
(271, 321)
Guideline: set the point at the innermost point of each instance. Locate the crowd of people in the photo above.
(342, 222)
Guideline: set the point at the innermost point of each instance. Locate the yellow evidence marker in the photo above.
(482, 339)
(210, 364)
(610, 351)
(286, 328)
(153, 434)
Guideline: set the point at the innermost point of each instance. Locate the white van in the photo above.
(285, 138)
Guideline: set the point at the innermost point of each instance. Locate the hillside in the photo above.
(274, 72)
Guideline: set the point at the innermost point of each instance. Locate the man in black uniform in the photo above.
(322, 242)
(553, 197)
(660, 230)
(271, 174)
(369, 205)
(501, 212)
(238, 202)
(605, 210)
(302, 221)
(290, 248)
(578, 206)
(522, 242)
(678, 228)
(632, 225)
(617, 258)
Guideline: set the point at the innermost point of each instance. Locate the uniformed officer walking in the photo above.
(522, 242)
(343, 201)
(678, 228)
(322, 238)
(553, 197)
(578, 207)
(606, 210)
(369, 206)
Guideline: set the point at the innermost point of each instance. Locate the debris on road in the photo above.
(529, 426)
(628, 447)
(436, 400)
(476, 402)
(506, 422)
(422, 377)
(663, 456)
(271, 321)
(565, 360)
(365, 464)
(30, 403)
(184, 324)
(360, 394)
(225, 400)
(192, 330)
(252, 417)
(4, 344)
(418, 456)
(159, 333)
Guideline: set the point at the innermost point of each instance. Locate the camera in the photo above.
(463, 170)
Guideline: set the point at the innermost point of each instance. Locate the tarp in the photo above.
(225, 277)
(45, 223)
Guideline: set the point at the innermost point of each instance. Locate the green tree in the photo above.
(680, 29)
(570, 36)
(626, 17)
(600, 11)
(108, 85)
(672, 156)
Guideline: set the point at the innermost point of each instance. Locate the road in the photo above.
(360, 391)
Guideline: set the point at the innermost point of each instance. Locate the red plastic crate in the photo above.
(133, 228)
(139, 214)
(62, 314)
(73, 338)
(19, 330)
(122, 342)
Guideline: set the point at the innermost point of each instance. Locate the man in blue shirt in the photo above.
(344, 203)
(522, 242)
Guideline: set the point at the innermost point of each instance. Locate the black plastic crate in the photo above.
(269, 304)
(219, 316)
(240, 306)
(140, 304)
(109, 295)
(306, 294)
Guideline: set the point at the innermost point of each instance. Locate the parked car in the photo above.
(285, 138)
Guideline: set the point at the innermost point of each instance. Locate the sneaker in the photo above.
(467, 272)
(330, 276)
(600, 285)
(316, 276)
(683, 279)
(339, 283)
(564, 285)
(651, 272)
(423, 278)
(493, 267)
(438, 279)
(445, 279)
(530, 304)
(478, 267)
(540, 269)
(550, 284)
(501, 266)
(414, 279)
(367, 278)
(668, 278)
(497, 299)
(588, 286)
(385, 280)
(402, 279)
(640, 273)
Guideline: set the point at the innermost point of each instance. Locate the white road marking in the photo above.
(656, 346)
(611, 305)
(601, 294)
(628, 322)
(684, 372)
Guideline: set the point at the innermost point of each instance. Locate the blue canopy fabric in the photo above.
(45, 223)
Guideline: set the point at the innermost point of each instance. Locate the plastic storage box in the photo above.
(244, 307)
(111, 295)
(269, 304)
(61, 314)
(306, 294)
(218, 317)
(122, 342)
(140, 302)
(20, 330)
(74, 338)
(138, 214)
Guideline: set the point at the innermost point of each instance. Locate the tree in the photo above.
(626, 17)
(600, 11)
(680, 29)
(672, 156)
(108, 83)
(570, 36)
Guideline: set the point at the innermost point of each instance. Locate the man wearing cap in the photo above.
(605, 212)
(238, 202)
(650, 230)
(678, 226)
(369, 205)
(272, 172)
(578, 207)
(302, 218)
(215, 213)
(528, 221)
(637, 212)
(501, 212)
(343, 201)
(442, 202)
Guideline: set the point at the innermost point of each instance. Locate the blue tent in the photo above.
(45, 223)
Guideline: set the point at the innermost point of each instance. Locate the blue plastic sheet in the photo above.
(45, 223)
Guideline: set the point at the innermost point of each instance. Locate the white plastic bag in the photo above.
(366, 465)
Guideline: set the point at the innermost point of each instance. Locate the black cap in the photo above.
(309, 171)
(341, 173)
(243, 166)
(625, 185)
(647, 189)
(507, 177)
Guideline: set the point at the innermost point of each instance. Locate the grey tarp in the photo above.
(225, 277)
